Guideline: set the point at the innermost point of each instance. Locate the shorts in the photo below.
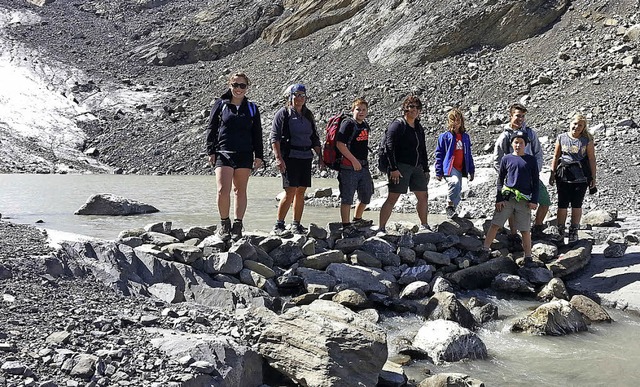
(571, 194)
(351, 181)
(522, 218)
(234, 160)
(413, 178)
(543, 195)
(297, 174)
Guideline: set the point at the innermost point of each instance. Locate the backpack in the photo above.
(383, 157)
(330, 154)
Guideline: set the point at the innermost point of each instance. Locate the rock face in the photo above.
(109, 204)
(555, 318)
(325, 344)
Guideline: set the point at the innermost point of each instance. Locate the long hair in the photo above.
(585, 133)
(451, 119)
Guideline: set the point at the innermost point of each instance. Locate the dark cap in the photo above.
(519, 134)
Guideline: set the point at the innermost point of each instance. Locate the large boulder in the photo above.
(481, 276)
(366, 278)
(234, 364)
(444, 340)
(325, 344)
(555, 318)
(109, 204)
(445, 306)
(573, 260)
(590, 309)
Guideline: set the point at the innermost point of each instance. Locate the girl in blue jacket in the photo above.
(454, 159)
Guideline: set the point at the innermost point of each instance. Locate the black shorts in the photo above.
(298, 173)
(234, 160)
(571, 194)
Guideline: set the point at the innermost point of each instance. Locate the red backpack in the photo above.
(330, 153)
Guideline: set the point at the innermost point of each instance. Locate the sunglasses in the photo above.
(301, 95)
(240, 85)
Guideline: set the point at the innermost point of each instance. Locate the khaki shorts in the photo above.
(522, 214)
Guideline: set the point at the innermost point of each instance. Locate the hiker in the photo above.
(407, 160)
(293, 137)
(502, 147)
(573, 169)
(454, 159)
(517, 194)
(352, 140)
(234, 146)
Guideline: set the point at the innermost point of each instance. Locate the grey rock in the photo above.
(415, 290)
(322, 260)
(450, 379)
(181, 252)
(225, 263)
(573, 260)
(300, 344)
(481, 275)
(114, 205)
(84, 366)
(446, 306)
(166, 292)
(445, 340)
(286, 254)
(555, 288)
(259, 268)
(511, 283)
(351, 298)
(362, 258)
(554, 318)
(590, 309)
(365, 278)
(436, 258)
(316, 280)
(158, 238)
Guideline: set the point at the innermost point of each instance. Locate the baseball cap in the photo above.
(519, 134)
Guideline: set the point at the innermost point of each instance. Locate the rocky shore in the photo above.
(162, 306)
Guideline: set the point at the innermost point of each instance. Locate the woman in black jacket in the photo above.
(408, 162)
(234, 146)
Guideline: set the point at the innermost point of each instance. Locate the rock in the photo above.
(259, 268)
(445, 306)
(114, 205)
(444, 340)
(455, 226)
(544, 251)
(392, 375)
(166, 292)
(225, 263)
(365, 278)
(436, 258)
(450, 380)
(58, 338)
(481, 275)
(441, 285)
(181, 252)
(415, 290)
(573, 260)
(482, 311)
(555, 318)
(615, 249)
(362, 258)
(600, 218)
(416, 273)
(555, 288)
(13, 367)
(84, 366)
(351, 298)
(40, 3)
(286, 254)
(235, 364)
(159, 239)
(300, 343)
(317, 281)
(511, 283)
(536, 275)
(322, 260)
(590, 309)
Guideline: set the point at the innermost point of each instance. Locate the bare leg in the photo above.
(360, 207)
(298, 203)
(240, 182)
(345, 209)
(491, 235)
(526, 243)
(562, 216)
(576, 215)
(541, 213)
(224, 177)
(286, 201)
(423, 206)
(387, 208)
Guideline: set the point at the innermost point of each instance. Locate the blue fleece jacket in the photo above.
(444, 154)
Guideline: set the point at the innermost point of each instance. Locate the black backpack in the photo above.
(383, 157)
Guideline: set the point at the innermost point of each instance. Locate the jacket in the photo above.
(503, 146)
(445, 151)
(406, 145)
(234, 130)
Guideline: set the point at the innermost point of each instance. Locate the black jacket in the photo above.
(406, 145)
(234, 130)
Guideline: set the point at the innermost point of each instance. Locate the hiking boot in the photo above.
(279, 229)
(424, 227)
(562, 231)
(450, 211)
(381, 232)
(236, 230)
(359, 222)
(349, 232)
(224, 232)
(573, 233)
(297, 228)
(484, 254)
